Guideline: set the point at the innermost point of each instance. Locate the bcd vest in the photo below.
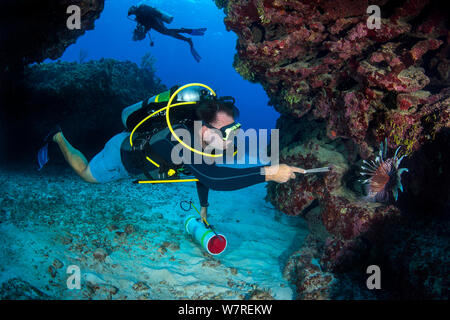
(140, 157)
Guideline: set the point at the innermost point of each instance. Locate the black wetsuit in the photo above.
(210, 176)
(149, 17)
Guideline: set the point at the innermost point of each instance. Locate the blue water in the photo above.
(111, 38)
(61, 222)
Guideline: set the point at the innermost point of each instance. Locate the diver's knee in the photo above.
(89, 180)
(87, 176)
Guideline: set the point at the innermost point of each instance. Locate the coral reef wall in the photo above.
(86, 99)
(319, 57)
(33, 32)
(343, 88)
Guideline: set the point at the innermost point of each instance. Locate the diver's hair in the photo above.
(207, 110)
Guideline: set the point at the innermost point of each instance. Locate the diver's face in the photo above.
(213, 137)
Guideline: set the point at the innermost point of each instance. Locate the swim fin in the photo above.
(195, 55)
(198, 32)
(43, 152)
(43, 156)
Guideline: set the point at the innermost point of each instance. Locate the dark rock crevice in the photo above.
(85, 99)
(32, 32)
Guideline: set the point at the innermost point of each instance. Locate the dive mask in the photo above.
(227, 131)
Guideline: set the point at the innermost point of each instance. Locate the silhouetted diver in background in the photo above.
(151, 18)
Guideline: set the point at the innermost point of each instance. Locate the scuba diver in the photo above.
(146, 148)
(148, 18)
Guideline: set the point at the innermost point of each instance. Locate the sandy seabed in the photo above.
(129, 240)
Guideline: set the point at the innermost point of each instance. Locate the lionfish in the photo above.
(383, 175)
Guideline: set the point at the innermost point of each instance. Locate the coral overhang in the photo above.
(319, 57)
(343, 88)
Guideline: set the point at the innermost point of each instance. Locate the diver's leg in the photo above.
(172, 32)
(161, 28)
(74, 158)
(195, 54)
(192, 32)
(176, 33)
(182, 30)
(107, 166)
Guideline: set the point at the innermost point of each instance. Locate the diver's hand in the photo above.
(203, 213)
(282, 173)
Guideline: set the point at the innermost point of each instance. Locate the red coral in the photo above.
(320, 57)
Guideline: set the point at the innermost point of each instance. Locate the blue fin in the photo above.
(195, 55)
(43, 156)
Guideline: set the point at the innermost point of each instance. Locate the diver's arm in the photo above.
(281, 173)
(204, 213)
(212, 176)
(226, 178)
(202, 192)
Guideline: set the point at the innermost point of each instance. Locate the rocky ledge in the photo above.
(342, 89)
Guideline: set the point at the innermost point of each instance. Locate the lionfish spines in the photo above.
(382, 176)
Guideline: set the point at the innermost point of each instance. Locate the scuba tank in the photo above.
(133, 114)
(148, 120)
(138, 156)
(167, 18)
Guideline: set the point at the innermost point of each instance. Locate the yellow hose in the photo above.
(168, 181)
(169, 125)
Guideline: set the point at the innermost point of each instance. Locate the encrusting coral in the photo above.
(342, 89)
